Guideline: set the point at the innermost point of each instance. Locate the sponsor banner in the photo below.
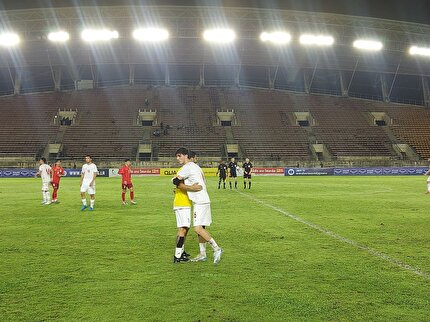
(17, 173)
(77, 172)
(309, 171)
(171, 172)
(210, 172)
(380, 171)
(268, 171)
(136, 172)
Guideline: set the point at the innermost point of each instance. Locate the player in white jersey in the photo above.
(192, 174)
(88, 182)
(428, 179)
(45, 173)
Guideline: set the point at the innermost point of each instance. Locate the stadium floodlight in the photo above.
(316, 40)
(276, 37)
(9, 39)
(419, 51)
(94, 35)
(370, 45)
(221, 36)
(151, 34)
(58, 36)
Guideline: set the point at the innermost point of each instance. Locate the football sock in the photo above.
(244, 185)
(132, 195)
(249, 185)
(84, 202)
(123, 196)
(235, 184)
(44, 196)
(219, 184)
(47, 196)
(54, 194)
(213, 243)
(230, 184)
(179, 245)
(92, 203)
(202, 247)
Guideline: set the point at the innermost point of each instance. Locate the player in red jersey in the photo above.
(56, 174)
(125, 172)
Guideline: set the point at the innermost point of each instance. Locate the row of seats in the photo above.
(107, 123)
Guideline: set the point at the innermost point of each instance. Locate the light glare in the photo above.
(276, 37)
(91, 35)
(151, 34)
(371, 45)
(318, 40)
(221, 36)
(419, 51)
(59, 36)
(9, 39)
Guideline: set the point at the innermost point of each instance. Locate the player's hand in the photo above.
(125, 182)
(197, 187)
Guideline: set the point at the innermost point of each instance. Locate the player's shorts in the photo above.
(45, 185)
(87, 188)
(246, 175)
(202, 215)
(223, 177)
(55, 185)
(127, 186)
(233, 174)
(183, 216)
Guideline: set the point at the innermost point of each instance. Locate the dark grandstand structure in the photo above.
(274, 104)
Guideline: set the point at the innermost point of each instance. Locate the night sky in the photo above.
(405, 10)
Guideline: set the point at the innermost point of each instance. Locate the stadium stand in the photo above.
(26, 124)
(107, 124)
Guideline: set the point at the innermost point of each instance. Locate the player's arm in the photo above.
(179, 183)
(82, 177)
(195, 187)
(94, 178)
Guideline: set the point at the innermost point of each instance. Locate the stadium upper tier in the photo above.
(268, 125)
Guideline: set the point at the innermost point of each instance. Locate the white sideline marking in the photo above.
(371, 251)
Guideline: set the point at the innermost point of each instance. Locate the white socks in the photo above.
(46, 196)
(178, 252)
(213, 243)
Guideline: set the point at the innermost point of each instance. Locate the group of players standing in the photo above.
(231, 171)
(52, 175)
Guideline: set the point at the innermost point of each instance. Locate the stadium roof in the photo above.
(412, 11)
(35, 62)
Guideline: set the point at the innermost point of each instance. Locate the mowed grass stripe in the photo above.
(332, 234)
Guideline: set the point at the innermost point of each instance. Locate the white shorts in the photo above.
(87, 188)
(202, 215)
(45, 186)
(183, 216)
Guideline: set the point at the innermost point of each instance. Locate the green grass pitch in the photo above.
(57, 263)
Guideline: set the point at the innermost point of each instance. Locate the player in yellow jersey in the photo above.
(182, 208)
